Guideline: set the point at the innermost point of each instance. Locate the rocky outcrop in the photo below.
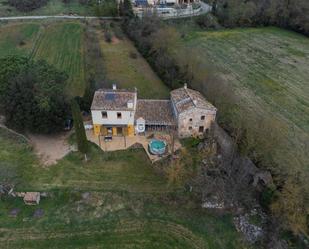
(251, 225)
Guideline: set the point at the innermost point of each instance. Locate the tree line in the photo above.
(283, 13)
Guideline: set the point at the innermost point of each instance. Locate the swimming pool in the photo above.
(157, 147)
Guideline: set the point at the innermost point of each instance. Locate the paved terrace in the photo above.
(123, 143)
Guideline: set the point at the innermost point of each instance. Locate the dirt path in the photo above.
(50, 148)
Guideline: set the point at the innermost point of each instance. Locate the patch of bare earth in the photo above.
(50, 148)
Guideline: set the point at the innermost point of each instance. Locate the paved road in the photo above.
(55, 17)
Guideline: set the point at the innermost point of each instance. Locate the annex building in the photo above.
(119, 112)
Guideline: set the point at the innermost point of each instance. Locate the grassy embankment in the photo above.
(114, 201)
(53, 7)
(125, 66)
(268, 68)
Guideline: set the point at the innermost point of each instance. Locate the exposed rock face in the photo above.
(247, 169)
(213, 203)
(252, 232)
(264, 177)
(237, 181)
(225, 142)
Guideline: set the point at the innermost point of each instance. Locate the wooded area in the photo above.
(283, 13)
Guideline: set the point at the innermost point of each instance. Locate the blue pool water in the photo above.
(157, 147)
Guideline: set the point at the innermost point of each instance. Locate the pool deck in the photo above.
(123, 143)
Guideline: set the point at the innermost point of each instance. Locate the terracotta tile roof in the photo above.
(155, 112)
(108, 99)
(186, 99)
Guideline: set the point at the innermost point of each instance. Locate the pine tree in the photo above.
(82, 143)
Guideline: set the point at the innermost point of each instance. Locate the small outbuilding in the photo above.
(32, 198)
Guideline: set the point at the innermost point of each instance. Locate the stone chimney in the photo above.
(114, 87)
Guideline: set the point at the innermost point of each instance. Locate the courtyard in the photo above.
(126, 142)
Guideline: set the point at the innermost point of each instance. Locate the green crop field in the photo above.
(126, 67)
(268, 68)
(53, 7)
(62, 45)
(116, 200)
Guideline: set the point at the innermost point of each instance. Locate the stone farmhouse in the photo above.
(118, 112)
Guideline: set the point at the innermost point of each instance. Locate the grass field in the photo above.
(268, 68)
(53, 7)
(130, 71)
(114, 201)
(17, 39)
(62, 45)
(59, 43)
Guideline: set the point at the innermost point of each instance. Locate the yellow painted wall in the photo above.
(114, 131)
(96, 129)
(103, 130)
(130, 130)
(100, 129)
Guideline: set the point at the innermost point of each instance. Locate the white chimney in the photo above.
(114, 87)
(185, 86)
(130, 104)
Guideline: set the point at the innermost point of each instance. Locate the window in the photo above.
(203, 117)
(201, 129)
(190, 119)
(104, 114)
(190, 128)
(119, 115)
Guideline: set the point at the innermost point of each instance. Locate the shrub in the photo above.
(207, 21)
(81, 138)
(27, 5)
(108, 36)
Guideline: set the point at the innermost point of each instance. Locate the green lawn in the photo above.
(130, 72)
(17, 38)
(268, 68)
(62, 45)
(127, 205)
(53, 7)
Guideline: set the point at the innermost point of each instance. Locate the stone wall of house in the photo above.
(190, 122)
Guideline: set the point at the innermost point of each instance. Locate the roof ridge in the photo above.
(154, 99)
(186, 90)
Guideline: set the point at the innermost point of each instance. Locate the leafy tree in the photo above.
(82, 143)
(106, 8)
(283, 13)
(33, 95)
(125, 9)
(9, 66)
(27, 5)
